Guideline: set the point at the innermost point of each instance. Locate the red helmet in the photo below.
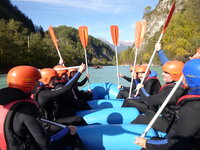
(174, 68)
(60, 72)
(47, 74)
(141, 69)
(71, 70)
(23, 78)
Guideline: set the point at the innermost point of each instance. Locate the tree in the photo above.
(147, 9)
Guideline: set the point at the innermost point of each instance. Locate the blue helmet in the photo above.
(191, 72)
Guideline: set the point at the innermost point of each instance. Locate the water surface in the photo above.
(105, 74)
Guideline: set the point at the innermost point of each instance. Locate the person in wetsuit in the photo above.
(62, 74)
(151, 83)
(19, 125)
(184, 135)
(54, 104)
(149, 104)
(80, 94)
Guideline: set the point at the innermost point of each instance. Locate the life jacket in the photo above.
(170, 110)
(6, 118)
(187, 98)
(172, 85)
(155, 87)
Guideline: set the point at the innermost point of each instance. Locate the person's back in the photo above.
(21, 127)
(20, 108)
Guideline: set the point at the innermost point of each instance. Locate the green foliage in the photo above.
(127, 56)
(18, 47)
(8, 11)
(183, 34)
(181, 38)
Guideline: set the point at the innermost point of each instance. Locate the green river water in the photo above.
(105, 74)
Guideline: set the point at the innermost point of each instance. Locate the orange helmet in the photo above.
(60, 72)
(71, 70)
(47, 74)
(23, 78)
(131, 68)
(174, 68)
(141, 69)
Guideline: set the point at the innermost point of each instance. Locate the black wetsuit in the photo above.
(80, 94)
(151, 85)
(23, 131)
(150, 104)
(185, 132)
(56, 106)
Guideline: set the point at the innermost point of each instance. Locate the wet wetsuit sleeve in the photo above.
(27, 116)
(127, 78)
(185, 128)
(83, 82)
(46, 95)
(158, 99)
(163, 58)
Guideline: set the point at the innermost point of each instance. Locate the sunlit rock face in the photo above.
(157, 17)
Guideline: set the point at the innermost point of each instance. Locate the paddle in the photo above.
(162, 106)
(51, 122)
(161, 35)
(139, 36)
(73, 67)
(53, 37)
(115, 35)
(83, 35)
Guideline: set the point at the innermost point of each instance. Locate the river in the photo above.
(105, 74)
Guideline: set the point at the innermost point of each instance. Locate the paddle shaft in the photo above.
(73, 67)
(134, 65)
(59, 53)
(149, 64)
(117, 65)
(52, 122)
(162, 107)
(86, 63)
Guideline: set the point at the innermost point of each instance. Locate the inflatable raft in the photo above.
(107, 111)
(109, 125)
(113, 137)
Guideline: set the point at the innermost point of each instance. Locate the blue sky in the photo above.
(98, 15)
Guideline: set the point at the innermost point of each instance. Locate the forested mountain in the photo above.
(23, 43)
(181, 38)
(8, 11)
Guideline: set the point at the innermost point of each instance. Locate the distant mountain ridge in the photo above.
(123, 45)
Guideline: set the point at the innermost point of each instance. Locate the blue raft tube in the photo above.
(113, 137)
(107, 111)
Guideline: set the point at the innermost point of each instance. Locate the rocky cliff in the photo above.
(157, 17)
